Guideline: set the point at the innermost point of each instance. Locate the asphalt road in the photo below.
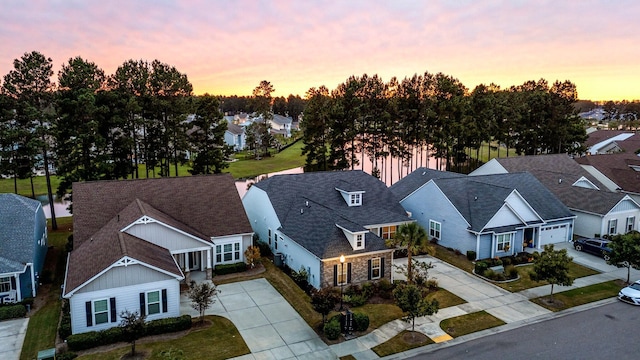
(609, 331)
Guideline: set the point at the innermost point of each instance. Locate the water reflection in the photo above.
(59, 206)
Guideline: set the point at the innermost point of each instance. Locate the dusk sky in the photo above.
(227, 47)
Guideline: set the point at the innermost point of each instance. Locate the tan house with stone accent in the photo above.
(135, 241)
(311, 221)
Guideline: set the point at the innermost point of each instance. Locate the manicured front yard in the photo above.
(221, 340)
(404, 341)
(525, 282)
(580, 296)
(470, 323)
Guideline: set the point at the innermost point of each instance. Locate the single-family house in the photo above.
(235, 137)
(281, 125)
(23, 246)
(598, 211)
(331, 224)
(619, 172)
(135, 241)
(492, 215)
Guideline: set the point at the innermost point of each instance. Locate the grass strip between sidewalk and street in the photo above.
(580, 296)
(469, 323)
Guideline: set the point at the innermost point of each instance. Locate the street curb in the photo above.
(514, 325)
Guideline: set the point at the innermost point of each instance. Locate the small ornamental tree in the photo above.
(410, 298)
(202, 297)
(625, 252)
(133, 327)
(324, 300)
(252, 255)
(552, 266)
(414, 239)
(420, 271)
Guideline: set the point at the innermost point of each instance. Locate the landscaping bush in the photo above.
(224, 269)
(432, 284)
(367, 290)
(69, 355)
(457, 252)
(489, 274)
(352, 290)
(507, 260)
(384, 288)
(471, 255)
(481, 267)
(65, 326)
(12, 312)
(265, 250)
(332, 328)
(86, 340)
(361, 321)
(355, 300)
(511, 271)
(163, 326)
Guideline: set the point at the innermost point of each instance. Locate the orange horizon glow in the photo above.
(227, 48)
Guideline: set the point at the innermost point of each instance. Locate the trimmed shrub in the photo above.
(352, 290)
(384, 288)
(361, 321)
(163, 326)
(224, 269)
(432, 284)
(332, 328)
(265, 250)
(13, 312)
(355, 300)
(367, 290)
(65, 326)
(86, 340)
(481, 267)
(511, 271)
(471, 255)
(506, 261)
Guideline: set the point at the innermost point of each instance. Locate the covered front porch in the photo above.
(195, 264)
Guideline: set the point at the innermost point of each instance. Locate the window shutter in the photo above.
(13, 283)
(112, 302)
(164, 301)
(335, 275)
(348, 273)
(143, 308)
(382, 267)
(369, 271)
(87, 307)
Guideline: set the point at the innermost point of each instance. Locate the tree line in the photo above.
(367, 119)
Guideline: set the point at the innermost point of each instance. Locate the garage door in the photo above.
(553, 234)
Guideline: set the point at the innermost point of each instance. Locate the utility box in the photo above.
(49, 354)
(277, 259)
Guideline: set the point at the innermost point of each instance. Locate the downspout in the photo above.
(33, 280)
(477, 246)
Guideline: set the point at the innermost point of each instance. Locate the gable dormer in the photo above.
(354, 233)
(352, 195)
(583, 182)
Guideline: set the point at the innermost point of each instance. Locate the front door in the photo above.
(194, 261)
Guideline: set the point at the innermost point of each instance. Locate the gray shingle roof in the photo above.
(477, 198)
(558, 173)
(315, 226)
(17, 226)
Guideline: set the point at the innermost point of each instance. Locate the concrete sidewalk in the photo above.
(12, 334)
(514, 309)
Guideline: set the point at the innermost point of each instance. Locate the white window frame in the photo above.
(359, 241)
(612, 225)
(233, 252)
(502, 240)
(95, 313)
(148, 302)
(389, 233)
(355, 199)
(376, 266)
(631, 223)
(342, 273)
(433, 231)
(5, 284)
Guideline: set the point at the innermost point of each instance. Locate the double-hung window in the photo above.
(631, 223)
(613, 226)
(375, 268)
(153, 302)
(434, 229)
(5, 284)
(503, 242)
(388, 232)
(100, 311)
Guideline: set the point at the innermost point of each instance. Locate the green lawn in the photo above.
(581, 296)
(401, 342)
(470, 323)
(525, 282)
(221, 340)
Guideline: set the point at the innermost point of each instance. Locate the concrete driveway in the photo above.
(12, 334)
(597, 263)
(270, 326)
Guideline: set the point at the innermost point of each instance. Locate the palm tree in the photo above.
(413, 238)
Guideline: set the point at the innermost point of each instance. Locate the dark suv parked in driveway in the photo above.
(598, 247)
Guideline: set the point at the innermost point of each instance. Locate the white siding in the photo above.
(503, 217)
(166, 237)
(521, 207)
(296, 257)
(121, 276)
(261, 214)
(127, 298)
(491, 167)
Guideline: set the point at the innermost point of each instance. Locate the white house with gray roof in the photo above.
(598, 210)
(493, 215)
(23, 246)
(313, 219)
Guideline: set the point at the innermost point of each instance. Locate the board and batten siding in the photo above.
(261, 214)
(165, 237)
(429, 203)
(121, 276)
(127, 298)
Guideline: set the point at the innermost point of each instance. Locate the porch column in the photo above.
(209, 269)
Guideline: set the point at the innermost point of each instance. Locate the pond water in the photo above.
(59, 206)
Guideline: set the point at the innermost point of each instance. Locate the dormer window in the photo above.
(352, 195)
(356, 199)
(359, 239)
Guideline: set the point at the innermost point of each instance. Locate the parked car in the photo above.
(598, 247)
(631, 294)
